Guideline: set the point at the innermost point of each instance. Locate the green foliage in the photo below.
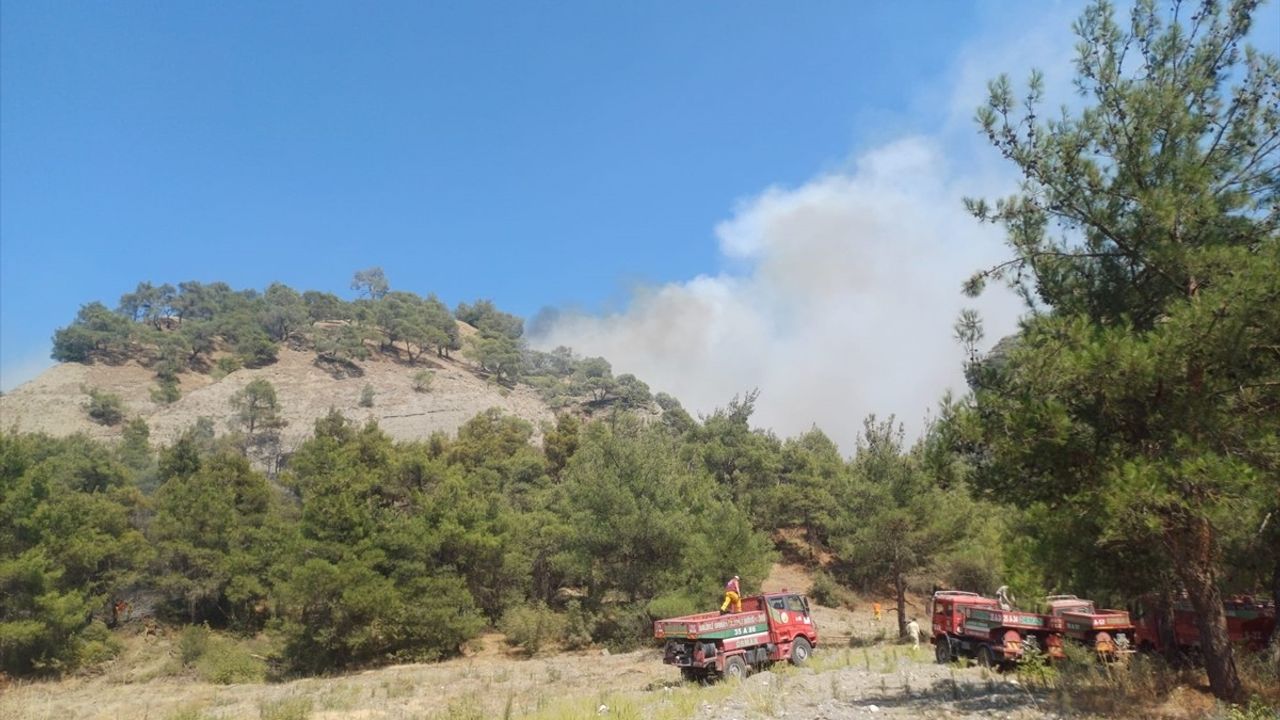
(254, 347)
(366, 396)
(105, 408)
(495, 353)
(559, 443)
(620, 490)
(224, 661)
(257, 413)
(193, 643)
(228, 364)
(66, 546)
(371, 282)
(350, 614)
(166, 391)
(422, 381)
(825, 591)
(1256, 709)
(484, 316)
(902, 521)
(215, 537)
(532, 627)
(95, 331)
(291, 708)
(1137, 404)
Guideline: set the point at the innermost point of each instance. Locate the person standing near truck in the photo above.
(732, 596)
(913, 631)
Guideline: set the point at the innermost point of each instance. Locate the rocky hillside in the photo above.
(55, 402)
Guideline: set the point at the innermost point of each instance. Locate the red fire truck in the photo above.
(1109, 632)
(968, 624)
(771, 627)
(1250, 623)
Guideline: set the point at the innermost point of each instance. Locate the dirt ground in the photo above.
(492, 681)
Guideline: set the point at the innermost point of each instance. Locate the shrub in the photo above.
(578, 624)
(98, 644)
(218, 659)
(530, 627)
(227, 365)
(422, 381)
(166, 392)
(294, 708)
(825, 591)
(622, 628)
(366, 396)
(105, 408)
(256, 349)
(226, 662)
(193, 643)
(675, 605)
(1257, 709)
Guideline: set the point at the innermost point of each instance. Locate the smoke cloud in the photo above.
(844, 290)
(846, 309)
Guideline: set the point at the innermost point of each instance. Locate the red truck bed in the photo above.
(711, 625)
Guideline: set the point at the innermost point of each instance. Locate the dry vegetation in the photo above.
(495, 680)
(55, 401)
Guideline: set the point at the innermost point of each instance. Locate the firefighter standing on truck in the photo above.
(731, 596)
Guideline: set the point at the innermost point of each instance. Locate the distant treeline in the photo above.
(364, 550)
(198, 327)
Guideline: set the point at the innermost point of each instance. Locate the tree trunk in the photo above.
(900, 589)
(1275, 597)
(1194, 562)
(1164, 628)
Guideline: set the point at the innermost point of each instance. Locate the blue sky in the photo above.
(719, 196)
(537, 153)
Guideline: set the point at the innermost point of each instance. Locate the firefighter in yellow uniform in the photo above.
(732, 596)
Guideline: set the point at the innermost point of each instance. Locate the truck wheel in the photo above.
(693, 674)
(986, 658)
(800, 651)
(942, 650)
(735, 667)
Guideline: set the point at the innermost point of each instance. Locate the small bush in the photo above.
(825, 591)
(464, 708)
(217, 659)
(578, 624)
(225, 662)
(166, 392)
(1034, 669)
(665, 606)
(422, 381)
(105, 408)
(99, 645)
(193, 643)
(295, 708)
(531, 627)
(366, 396)
(1257, 709)
(227, 365)
(623, 628)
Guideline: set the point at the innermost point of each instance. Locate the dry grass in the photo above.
(54, 401)
(1147, 687)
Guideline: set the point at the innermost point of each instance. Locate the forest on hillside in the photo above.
(213, 328)
(367, 551)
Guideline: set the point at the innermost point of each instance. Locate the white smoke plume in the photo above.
(852, 280)
(846, 309)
